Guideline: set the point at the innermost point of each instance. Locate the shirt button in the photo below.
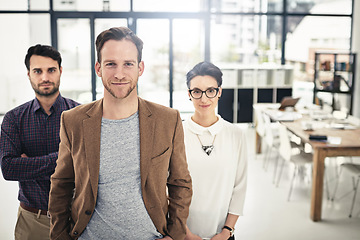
(76, 233)
(87, 212)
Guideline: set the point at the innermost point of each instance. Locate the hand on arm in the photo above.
(167, 238)
(225, 233)
(190, 235)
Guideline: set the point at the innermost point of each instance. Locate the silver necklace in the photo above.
(207, 149)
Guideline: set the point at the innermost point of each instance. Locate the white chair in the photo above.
(259, 126)
(354, 171)
(300, 158)
(272, 141)
(271, 138)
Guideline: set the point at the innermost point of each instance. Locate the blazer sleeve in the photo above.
(179, 185)
(62, 187)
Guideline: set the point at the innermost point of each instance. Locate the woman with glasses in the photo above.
(217, 159)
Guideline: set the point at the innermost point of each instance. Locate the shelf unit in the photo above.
(244, 86)
(334, 73)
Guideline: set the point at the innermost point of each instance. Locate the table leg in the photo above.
(317, 184)
(257, 143)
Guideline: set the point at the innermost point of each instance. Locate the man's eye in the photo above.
(37, 71)
(52, 70)
(196, 91)
(109, 64)
(211, 90)
(129, 64)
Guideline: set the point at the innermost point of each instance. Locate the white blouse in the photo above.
(219, 179)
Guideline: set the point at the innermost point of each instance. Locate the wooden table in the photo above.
(349, 146)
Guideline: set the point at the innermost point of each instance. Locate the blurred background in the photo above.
(267, 49)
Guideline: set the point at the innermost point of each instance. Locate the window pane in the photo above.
(91, 5)
(188, 50)
(74, 46)
(246, 39)
(153, 85)
(246, 6)
(309, 34)
(13, 48)
(101, 25)
(320, 6)
(39, 5)
(170, 5)
(19, 5)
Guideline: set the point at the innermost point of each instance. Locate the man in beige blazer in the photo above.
(94, 193)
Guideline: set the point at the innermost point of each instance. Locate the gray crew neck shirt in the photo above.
(120, 211)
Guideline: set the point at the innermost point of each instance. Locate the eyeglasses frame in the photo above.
(202, 92)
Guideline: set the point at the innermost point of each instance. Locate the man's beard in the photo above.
(114, 95)
(45, 93)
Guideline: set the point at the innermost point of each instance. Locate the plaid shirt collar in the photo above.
(37, 106)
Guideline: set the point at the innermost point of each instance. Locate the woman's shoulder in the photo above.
(232, 127)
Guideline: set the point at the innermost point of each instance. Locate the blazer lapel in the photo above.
(92, 134)
(147, 127)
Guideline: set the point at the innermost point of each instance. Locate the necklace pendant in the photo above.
(208, 149)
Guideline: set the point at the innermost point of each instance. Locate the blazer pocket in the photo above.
(164, 156)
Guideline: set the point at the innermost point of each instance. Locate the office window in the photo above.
(153, 85)
(188, 37)
(246, 6)
(305, 36)
(15, 40)
(308, 34)
(320, 6)
(246, 39)
(92, 5)
(42, 5)
(74, 46)
(169, 5)
(16, 5)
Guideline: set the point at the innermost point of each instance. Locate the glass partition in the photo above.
(246, 39)
(92, 5)
(153, 85)
(189, 41)
(170, 5)
(320, 6)
(246, 6)
(16, 38)
(74, 46)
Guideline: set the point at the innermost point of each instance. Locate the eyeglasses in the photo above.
(197, 93)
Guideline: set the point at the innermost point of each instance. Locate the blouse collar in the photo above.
(200, 130)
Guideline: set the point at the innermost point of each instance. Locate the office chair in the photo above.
(354, 170)
(300, 158)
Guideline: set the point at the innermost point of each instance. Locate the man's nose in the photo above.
(45, 76)
(119, 73)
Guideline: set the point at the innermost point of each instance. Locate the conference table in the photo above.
(343, 139)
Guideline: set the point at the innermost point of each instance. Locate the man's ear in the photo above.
(98, 69)
(141, 68)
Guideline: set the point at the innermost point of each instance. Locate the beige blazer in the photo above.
(163, 168)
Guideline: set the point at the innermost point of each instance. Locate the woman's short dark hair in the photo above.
(204, 69)
(118, 33)
(42, 50)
